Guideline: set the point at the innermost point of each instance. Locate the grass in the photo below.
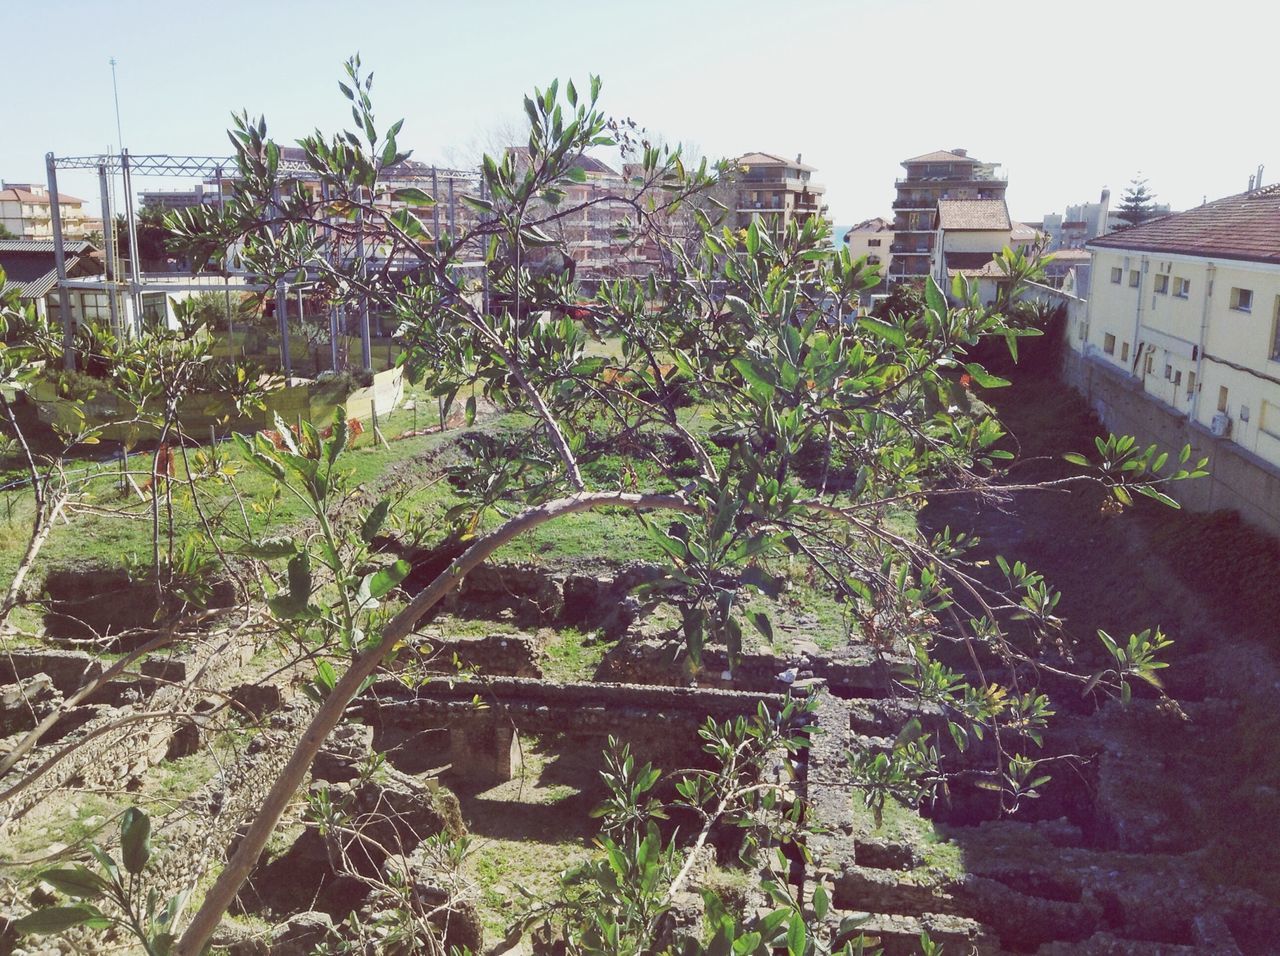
(572, 656)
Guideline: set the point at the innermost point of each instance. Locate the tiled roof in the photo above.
(771, 159)
(1245, 226)
(942, 156)
(875, 224)
(14, 194)
(973, 214)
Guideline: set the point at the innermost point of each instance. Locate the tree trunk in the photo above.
(238, 868)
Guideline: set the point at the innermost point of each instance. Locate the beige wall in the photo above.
(1192, 346)
(859, 245)
(32, 220)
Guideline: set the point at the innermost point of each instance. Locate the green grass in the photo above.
(569, 657)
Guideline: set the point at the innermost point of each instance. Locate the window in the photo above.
(1177, 378)
(1147, 365)
(1109, 344)
(1275, 332)
(1116, 274)
(1124, 351)
(1134, 278)
(1191, 383)
(873, 242)
(1181, 287)
(873, 260)
(1222, 398)
(1162, 284)
(1168, 372)
(1242, 300)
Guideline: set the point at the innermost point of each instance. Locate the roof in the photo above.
(943, 156)
(16, 194)
(772, 159)
(1023, 231)
(29, 264)
(590, 164)
(973, 214)
(874, 224)
(1245, 226)
(1070, 255)
(44, 245)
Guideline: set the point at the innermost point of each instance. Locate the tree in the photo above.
(6, 232)
(1138, 203)
(743, 328)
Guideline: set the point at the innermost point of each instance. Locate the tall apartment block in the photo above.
(943, 174)
(777, 190)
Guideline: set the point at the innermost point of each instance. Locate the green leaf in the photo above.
(77, 882)
(985, 378)
(1076, 458)
(884, 330)
(55, 919)
(754, 377)
(762, 624)
(373, 523)
(135, 839)
(271, 548)
(299, 571)
(381, 582)
(412, 196)
(753, 236)
(933, 297)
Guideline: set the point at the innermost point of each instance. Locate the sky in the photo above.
(1068, 97)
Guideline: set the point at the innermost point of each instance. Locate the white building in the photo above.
(1187, 308)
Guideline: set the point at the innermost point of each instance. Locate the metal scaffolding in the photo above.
(217, 169)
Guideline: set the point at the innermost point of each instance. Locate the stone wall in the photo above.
(1238, 480)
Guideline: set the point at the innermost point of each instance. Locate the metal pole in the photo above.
(135, 267)
(435, 208)
(109, 241)
(231, 324)
(366, 349)
(333, 306)
(453, 212)
(282, 309)
(282, 317)
(60, 260)
(484, 273)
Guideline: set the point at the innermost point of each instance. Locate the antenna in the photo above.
(115, 90)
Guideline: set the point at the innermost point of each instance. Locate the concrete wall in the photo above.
(1239, 480)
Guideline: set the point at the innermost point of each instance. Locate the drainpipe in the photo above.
(1209, 271)
(1137, 317)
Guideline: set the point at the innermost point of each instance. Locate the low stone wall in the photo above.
(1238, 480)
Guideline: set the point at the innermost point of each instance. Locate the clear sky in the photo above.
(1070, 97)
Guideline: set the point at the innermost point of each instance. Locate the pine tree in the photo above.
(1138, 204)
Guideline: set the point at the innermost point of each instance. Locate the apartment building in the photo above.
(872, 238)
(1187, 308)
(970, 233)
(777, 190)
(25, 210)
(949, 174)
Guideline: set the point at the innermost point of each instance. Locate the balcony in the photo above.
(914, 203)
(959, 181)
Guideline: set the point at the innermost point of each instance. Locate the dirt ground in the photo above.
(1204, 579)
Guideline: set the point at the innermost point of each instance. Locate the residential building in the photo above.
(970, 233)
(950, 174)
(777, 190)
(872, 238)
(26, 212)
(1187, 309)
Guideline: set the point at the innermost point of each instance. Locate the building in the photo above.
(872, 238)
(1186, 308)
(777, 190)
(30, 267)
(26, 212)
(970, 233)
(932, 177)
